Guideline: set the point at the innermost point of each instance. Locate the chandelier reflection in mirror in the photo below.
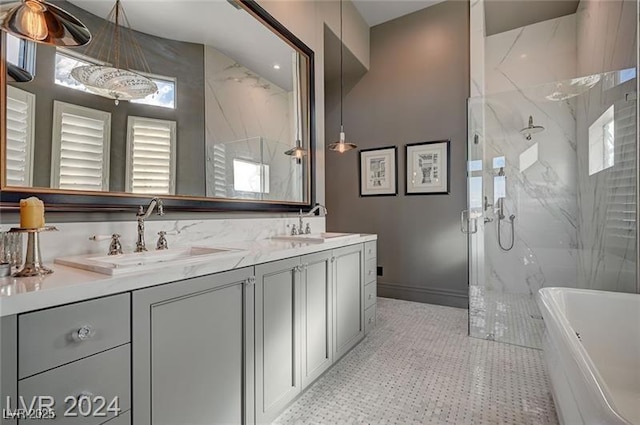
(118, 81)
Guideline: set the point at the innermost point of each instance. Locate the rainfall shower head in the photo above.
(531, 129)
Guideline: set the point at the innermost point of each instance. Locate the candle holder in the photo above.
(33, 259)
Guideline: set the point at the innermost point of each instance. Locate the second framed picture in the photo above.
(378, 171)
(427, 168)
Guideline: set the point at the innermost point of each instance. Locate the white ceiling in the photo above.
(376, 12)
(215, 23)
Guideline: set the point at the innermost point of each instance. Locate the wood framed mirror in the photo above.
(235, 93)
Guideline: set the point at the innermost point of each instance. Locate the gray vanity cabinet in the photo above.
(277, 324)
(316, 314)
(193, 351)
(348, 304)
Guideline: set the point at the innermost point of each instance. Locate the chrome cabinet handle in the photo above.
(251, 280)
(370, 319)
(370, 272)
(333, 259)
(370, 296)
(84, 333)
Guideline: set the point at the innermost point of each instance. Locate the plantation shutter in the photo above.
(220, 170)
(151, 156)
(81, 141)
(20, 119)
(621, 190)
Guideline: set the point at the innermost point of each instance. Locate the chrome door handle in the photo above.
(470, 229)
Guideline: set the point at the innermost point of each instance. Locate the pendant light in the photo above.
(116, 81)
(43, 22)
(341, 145)
(297, 152)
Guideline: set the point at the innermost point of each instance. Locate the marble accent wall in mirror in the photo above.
(235, 91)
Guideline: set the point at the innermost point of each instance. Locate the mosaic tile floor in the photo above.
(510, 318)
(418, 366)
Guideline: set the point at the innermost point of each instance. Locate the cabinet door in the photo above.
(348, 271)
(8, 366)
(277, 337)
(316, 325)
(191, 344)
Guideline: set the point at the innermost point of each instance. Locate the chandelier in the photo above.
(118, 80)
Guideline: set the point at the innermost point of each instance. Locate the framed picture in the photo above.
(378, 171)
(427, 168)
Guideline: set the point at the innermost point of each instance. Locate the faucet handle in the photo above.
(294, 230)
(307, 230)
(115, 247)
(162, 241)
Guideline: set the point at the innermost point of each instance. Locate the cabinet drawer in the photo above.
(122, 419)
(369, 295)
(61, 335)
(370, 271)
(105, 375)
(370, 250)
(369, 319)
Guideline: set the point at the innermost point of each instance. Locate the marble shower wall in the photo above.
(607, 200)
(248, 118)
(541, 189)
(531, 55)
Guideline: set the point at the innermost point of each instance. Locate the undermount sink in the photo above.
(316, 237)
(139, 261)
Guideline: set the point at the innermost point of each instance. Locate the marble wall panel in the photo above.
(73, 238)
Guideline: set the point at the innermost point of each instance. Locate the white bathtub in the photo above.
(595, 377)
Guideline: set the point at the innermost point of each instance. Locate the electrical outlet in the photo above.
(379, 270)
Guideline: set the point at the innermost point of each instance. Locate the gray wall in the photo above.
(160, 54)
(415, 91)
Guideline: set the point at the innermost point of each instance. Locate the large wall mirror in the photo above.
(234, 98)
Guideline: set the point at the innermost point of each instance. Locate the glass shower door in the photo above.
(552, 198)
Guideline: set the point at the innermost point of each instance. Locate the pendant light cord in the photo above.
(341, 72)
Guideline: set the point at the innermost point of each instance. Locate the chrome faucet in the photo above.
(141, 215)
(313, 210)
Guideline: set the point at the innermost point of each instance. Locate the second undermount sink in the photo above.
(139, 261)
(316, 237)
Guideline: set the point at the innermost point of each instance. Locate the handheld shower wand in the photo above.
(502, 216)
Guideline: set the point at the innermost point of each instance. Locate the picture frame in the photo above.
(378, 171)
(428, 168)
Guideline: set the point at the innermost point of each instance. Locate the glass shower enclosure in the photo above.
(552, 183)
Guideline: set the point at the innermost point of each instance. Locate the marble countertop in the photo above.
(68, 284)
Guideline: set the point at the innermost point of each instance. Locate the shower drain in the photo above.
(536, 316)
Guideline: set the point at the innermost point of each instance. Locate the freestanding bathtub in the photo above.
(592, 352)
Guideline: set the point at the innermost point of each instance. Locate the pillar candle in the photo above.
(31, 213)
